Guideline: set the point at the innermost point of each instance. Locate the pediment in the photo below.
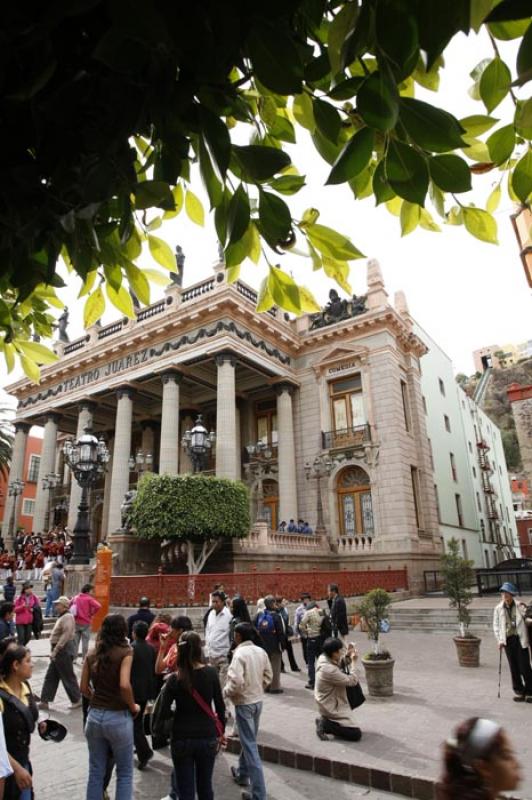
(342, 354)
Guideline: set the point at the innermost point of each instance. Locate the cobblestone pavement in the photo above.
(403, 733)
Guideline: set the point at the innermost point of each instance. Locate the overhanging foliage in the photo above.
(106, 104)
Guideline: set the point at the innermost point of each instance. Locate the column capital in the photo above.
(171, 377)
(285, 386)
(53, 416)
(125, 391)
(22, 427)
(87, 405)
(225, 356)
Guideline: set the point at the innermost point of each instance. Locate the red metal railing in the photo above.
(185, 590)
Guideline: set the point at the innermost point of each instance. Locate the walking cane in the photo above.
(500, 667)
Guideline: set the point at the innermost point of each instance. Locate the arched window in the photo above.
(355, 509)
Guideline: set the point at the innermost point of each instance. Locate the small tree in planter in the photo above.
(458, 576)
(190, 514)
(378, 664)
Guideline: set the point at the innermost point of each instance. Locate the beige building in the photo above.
(342, 386)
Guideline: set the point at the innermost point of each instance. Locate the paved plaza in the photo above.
(402, 736)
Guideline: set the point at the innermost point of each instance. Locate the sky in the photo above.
(465, 293)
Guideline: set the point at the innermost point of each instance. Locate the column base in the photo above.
(134, 556)
(77, 575)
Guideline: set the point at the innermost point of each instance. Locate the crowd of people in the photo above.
(33, 551)
(301, 526)
(152, 681)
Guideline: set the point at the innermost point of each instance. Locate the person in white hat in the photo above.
(510, 629)
(63, 652)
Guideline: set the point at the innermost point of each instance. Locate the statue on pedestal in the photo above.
(62, 325)
(177, 277)
(126, 509)
(337, 310)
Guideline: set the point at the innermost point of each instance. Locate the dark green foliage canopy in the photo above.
(374, 607)
(191, 507)
(105, 104)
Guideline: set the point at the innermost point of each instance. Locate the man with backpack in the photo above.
(316, 626)
(270, 627)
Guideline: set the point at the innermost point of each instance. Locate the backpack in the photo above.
(326, 629)
(265, 623)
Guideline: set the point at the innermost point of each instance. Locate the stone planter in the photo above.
(468, 649)
(379, 677)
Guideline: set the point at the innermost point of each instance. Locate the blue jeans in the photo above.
(249, 764)
(193, 764)
(51, 594)
(110, 733)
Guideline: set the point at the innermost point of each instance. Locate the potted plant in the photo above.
(458, 576)
(378, 664)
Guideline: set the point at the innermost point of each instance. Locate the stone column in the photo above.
(238, 443)
(226, 465)
(16, 471)
(185, 462)
(107, 490)
(286, 453)
(121, 453)
(47, 464)
(170, 443)
(85, 420)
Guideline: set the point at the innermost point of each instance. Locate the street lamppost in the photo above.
(197, 443)
(141, 462)
(320, 468)
(14, 489)
(49, 483)
(258, 469)
(87, 459)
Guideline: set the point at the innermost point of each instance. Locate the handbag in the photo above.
(210, 713)
(355, 695)
(161, 727)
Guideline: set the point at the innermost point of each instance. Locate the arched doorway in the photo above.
(271, 504)
(355, 509)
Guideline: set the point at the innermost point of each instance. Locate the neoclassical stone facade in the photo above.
(343, 385)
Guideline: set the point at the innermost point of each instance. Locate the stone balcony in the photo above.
(262, 540)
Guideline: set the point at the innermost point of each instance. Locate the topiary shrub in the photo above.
(197, 511)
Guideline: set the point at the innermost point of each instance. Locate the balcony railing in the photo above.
(346, 437)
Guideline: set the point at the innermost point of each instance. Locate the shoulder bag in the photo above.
(210, 713)
(355, 695)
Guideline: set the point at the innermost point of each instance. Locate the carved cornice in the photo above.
(125, 391)
(284, 386)
(225, 357)
(171, 377)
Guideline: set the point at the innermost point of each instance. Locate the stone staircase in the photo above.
(434, 620)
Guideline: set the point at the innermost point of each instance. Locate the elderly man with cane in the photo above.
(510, 629)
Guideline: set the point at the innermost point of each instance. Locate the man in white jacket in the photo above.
(510, 629)
(248, 676)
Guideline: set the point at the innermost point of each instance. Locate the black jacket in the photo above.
(274, 642)
(142, 615)
(143, 671)
(339, 616)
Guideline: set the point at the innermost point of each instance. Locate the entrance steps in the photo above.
(433, 620)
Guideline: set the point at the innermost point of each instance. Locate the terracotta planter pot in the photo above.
(379, 677)
(355, 619)
(468, 649)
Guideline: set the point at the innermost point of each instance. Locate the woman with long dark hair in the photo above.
(479, 763)
(197, 730)
(240, 613)
(19, 713)
(106, 682)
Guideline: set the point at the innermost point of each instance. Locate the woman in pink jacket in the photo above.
(24, 605)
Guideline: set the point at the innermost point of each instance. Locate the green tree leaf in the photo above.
(353, 158)
(260, 163)
(210, 181)
(494, 199)
(113, 275)
(524, 56)
(480, 224)
(288, 184)
(154, 276)
(194, 209)
(338, 271)
(264, 299)
(238, 215)
(94, 308)
(217, 138)
(178, 196)
(154, 193)
(410, 214)
(308, 301)
(341, 27)
(431, 128)
(509, 29)
(494, 83)
(522, 177)
(450, 173)
(284, 290)
(31, 370)
(396, 33)
(9, 355)
(378, 102)
(162, 253)
(477, 124)
(138, 282)
(303, 112)
(275, 220)
(523, 118)
(88, 283)
(426, 222)
(327, 119)
(501, 144)
(381, 188)
(407, 172)
(121, 300)
(332, 244)
(36, 352)
(276, 60)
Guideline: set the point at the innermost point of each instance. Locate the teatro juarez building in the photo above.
(340, 389)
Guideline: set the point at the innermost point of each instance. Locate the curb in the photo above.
(383, 780)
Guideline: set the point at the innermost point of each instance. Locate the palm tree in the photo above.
(6, 439)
